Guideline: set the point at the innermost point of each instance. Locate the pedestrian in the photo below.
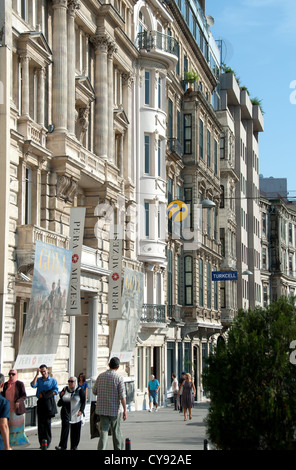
(72, 402)
(14, 391)
(153, 389)
(175, 387)
(47, 388)
(188, 393)
(4, 417)
(83, 384)
(181, 380)
(110, 390)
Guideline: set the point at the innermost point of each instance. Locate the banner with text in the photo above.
(47, 306)
(77, 217)
(115, 279)
(127, 329)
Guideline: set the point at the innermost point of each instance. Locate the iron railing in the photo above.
(153, 313)
(155, 40)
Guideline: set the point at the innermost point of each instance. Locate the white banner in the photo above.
(115, 279)
(77, 217)
(127, 329)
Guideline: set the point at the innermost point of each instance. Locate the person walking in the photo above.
(47, 388)
(83, 384)
(4, 417)
(110, 390)
(188, 394)
(14, 391)
(72, 401)
(175, 387)
(153, 389)
(181, 380)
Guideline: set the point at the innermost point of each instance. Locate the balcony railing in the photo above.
(153, 313)
(175, 147)
(155, 40)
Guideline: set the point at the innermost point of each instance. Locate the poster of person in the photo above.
(52, 267)
(127, 329)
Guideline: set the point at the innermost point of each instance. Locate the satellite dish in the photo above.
(210, 20)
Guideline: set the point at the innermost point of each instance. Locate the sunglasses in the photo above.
(71, 381)
(11, 373)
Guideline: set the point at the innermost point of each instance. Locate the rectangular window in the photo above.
(170, 119)
(188, 272)
(147, 154)
(209, 147)
(209, 286)
(215, 293)
(159, 158)
(187, 134)
(201, 295)
(222, 148)
(147, 88)
(159, 92)
(147, 219)
(28, 197)
(201, 139)
(215, 157)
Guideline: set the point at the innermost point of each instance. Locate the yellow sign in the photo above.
(177, 211)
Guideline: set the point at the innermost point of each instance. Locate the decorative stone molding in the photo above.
(66, 188)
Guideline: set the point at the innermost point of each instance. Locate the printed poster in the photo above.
(47, 306)
(127, 328)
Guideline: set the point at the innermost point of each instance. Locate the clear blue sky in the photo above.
(259, 39)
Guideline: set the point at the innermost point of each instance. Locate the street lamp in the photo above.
(247, 272)
(207, 204)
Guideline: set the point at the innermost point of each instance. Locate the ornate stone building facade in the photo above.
(98, 113)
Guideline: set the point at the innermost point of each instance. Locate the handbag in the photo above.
(21, 409)
(94, 422)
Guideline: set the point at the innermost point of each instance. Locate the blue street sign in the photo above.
(224, 275)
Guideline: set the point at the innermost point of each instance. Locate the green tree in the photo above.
(251, 381)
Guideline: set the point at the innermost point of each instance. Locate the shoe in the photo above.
(149, 410)
(155, 410)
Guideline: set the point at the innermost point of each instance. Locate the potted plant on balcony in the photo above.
(190, 77)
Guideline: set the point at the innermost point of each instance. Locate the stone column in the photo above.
(101, 89)
(127, 98)
(111, 50)
(25, 85)
(72, 6)
(41, 95)
(59, 78)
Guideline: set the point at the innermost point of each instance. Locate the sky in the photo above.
(259, 41)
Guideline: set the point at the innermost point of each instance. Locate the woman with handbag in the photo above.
(72, 402)
(14, 391)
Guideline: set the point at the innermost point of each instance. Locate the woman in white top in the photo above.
(72, 401)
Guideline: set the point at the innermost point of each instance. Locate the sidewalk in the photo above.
(155, 431)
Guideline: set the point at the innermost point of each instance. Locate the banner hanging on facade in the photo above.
(77, 217)
(115, 279)
(127, 329)
(47, 306)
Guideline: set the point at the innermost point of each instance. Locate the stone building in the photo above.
(99, 112)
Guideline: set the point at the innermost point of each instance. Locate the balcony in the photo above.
(175, 147)
(153, 315)
(174, 312)
(159, 45)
